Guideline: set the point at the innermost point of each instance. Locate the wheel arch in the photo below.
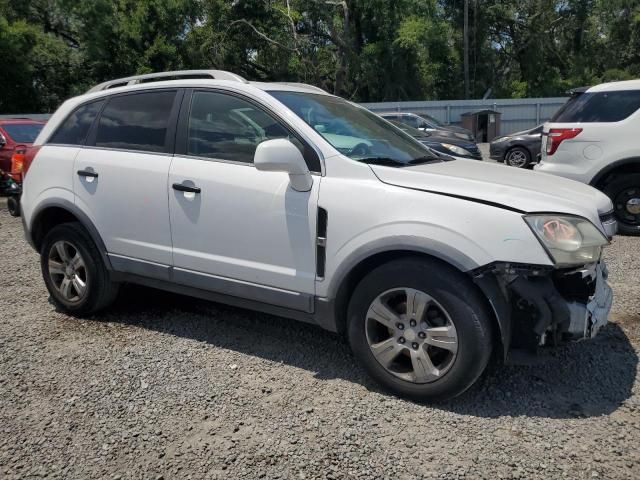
(55, 212)
(626, 165)
(349, 279)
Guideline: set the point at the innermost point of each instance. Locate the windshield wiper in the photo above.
(392, 162)
(387, 161)
(425, 159)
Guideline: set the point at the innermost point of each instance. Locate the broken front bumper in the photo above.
(538, 306)
(587, 320)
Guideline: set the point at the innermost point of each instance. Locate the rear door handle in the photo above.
(186, 188)
(88, 173)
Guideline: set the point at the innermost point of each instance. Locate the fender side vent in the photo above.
(321, 242)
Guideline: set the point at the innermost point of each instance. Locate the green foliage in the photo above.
(366, 50)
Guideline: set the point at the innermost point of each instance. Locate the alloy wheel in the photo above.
(68, 271)
(411, 335)
(517, 158)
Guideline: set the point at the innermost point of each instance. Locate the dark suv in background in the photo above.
(448, 145)
(427, 123)
(520, 149)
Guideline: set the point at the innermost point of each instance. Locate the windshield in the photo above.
(355, 131)
(432, 120)
(23, 132)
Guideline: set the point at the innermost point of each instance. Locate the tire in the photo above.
(453, 301)
(99, 291)
(624, 192)
(518, 157)
(13, 205)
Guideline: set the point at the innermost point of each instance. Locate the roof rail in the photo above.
(305, 85)
(175, 75)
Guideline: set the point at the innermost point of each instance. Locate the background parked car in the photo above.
(16, 134)
(518, 149)
(427, 123)
(593, 139)
(449, 145)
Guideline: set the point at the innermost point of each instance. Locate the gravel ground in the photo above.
(164, 386)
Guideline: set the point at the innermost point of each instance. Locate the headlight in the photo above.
(568, 240)
(457, 150)
(501, 139)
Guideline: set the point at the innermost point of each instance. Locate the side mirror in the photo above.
(3, 141)
(280, 155)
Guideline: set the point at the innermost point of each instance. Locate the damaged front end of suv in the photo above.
(541, 305)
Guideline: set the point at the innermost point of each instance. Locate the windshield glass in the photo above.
(23, 133)
(355, 131)
(430, 119)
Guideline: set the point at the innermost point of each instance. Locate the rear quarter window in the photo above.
(75, 128)
(593, 107)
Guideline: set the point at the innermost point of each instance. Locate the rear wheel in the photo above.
(518, 157)
(624, 192)
(13, 205)
(420, 329)
(74, 272)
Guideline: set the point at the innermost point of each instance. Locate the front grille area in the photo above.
(607, 217)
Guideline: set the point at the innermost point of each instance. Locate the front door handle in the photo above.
(88, 173)
(186, 188)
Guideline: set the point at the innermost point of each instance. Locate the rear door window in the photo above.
(592, 107)
(75, 128)
(136, 122)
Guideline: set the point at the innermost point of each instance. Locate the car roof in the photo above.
(198, 77)
(616, 86)
(94, 93)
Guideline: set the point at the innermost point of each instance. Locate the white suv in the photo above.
(593, 139)
(288, 200)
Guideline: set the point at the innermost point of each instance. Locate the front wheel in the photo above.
(518, 157)
(420, 328)
(624, 192)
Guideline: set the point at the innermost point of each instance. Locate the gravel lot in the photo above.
(164, 386)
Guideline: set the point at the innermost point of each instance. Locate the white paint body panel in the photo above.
(127, 202)
(245, 224)
(515, 188)
(51, 177)
(466, 233)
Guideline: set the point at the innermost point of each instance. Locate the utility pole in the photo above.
(466, 48)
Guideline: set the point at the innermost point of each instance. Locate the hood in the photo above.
(505, 187)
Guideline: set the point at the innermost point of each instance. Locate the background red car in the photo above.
(16, 134)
